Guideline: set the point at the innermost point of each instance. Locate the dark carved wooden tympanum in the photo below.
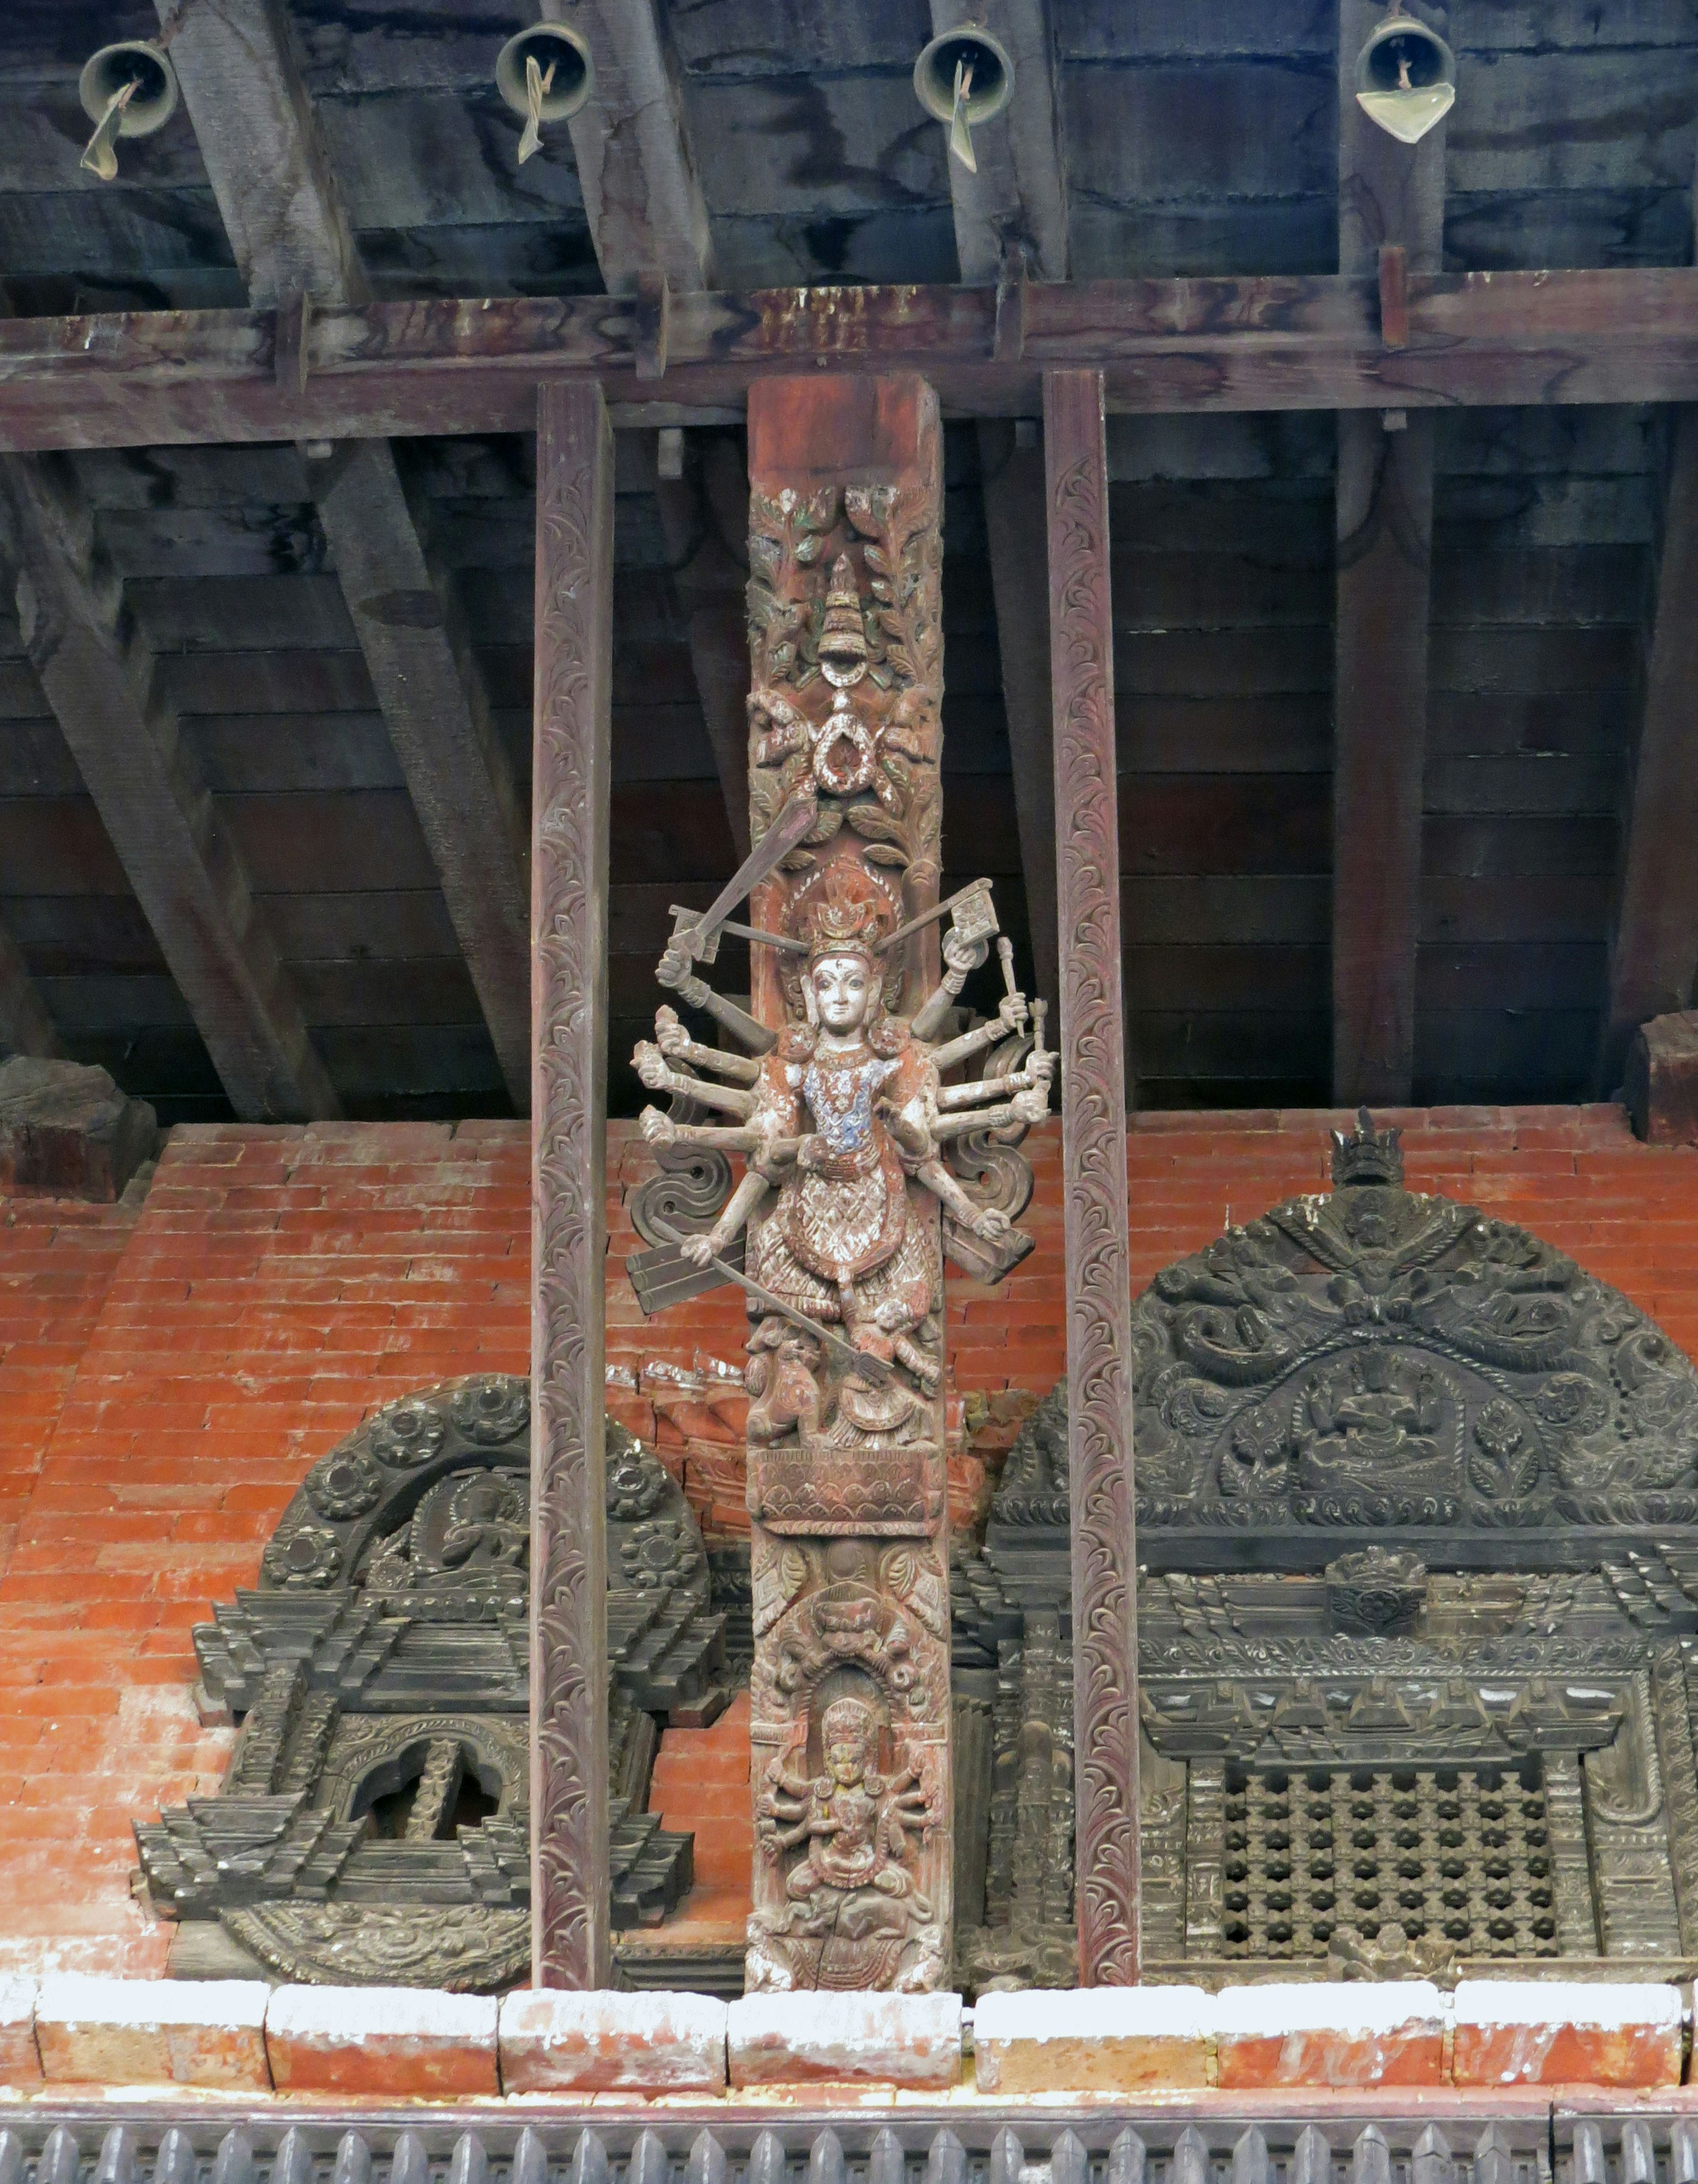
(1418, 1630)
(374, 1826)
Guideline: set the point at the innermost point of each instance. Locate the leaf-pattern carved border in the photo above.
(569, 1007)
(1094, 1163)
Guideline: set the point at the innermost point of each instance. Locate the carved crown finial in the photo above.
(843, 632)
(1367, 1155)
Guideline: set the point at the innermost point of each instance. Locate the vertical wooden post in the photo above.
(1094, 1163)
(574, 675)
(1391, 197)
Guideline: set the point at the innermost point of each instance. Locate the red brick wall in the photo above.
(167, 1376)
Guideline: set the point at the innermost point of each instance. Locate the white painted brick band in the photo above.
(552, 2041)
(886, 2039)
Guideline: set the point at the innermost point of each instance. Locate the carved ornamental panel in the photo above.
(374, 1826)
(865, 1157)
(1418, 1630)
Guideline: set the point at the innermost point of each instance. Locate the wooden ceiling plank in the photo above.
(26, 1026)
(187, 875)
(1653, 952)
(472, 366)
(272, 176)
(1011, 226)
(1391, 199)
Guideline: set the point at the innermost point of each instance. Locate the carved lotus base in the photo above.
(828, 1493)
(844, 1943)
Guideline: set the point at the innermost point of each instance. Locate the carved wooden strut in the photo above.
(854, 1152)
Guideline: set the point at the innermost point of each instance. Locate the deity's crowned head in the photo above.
(843, 975)
(850, 1732)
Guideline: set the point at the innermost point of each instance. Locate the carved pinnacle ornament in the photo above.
(849, 1198)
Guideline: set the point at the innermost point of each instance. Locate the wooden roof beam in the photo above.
(473, 364)
(650, 223)
(189, 876)
(276, 190)
(1012, 223)
(1391, 198)
(644, 203)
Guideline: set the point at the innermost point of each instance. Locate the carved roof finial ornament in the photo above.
(1367, 1155)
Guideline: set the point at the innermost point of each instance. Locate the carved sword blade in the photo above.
(842, 1353)
(782, 836)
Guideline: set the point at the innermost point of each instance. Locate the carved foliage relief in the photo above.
(1381, 1358)
(850, 1683)
(1093, 1153)
(568, 881)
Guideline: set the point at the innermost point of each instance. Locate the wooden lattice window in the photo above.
(1458, 1855)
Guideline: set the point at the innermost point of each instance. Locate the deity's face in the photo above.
(846, 1758)
(843, 992)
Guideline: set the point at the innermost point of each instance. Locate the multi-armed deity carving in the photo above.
(862, 1166)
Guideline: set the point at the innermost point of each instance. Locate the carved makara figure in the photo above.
(864, 1164)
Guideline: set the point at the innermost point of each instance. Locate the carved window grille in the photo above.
(1458, 1855)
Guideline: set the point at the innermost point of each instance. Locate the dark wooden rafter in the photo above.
(99, 674)
(473, 364)
(1654, 953)
(26, 1026)
(647, 216)
(1011, 227)
(277, 196)
(649, 225)
(703, 516)
(570, 802)
(1391, 216)
(1093, 1104)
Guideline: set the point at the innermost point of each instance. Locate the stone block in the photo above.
(1331, 2033)
(1099, 2040)
(20, 2060)
(882, 2039)
(1661, 1083)
(68, 1129)
(552, 2041)
(1513, 2032)
(404, 2040)
(148, 2032)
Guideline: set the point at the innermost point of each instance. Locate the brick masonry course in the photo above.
(168, 1373)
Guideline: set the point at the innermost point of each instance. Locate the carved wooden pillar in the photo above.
(849, 1548)
(1094, 1165)
(574, 671)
